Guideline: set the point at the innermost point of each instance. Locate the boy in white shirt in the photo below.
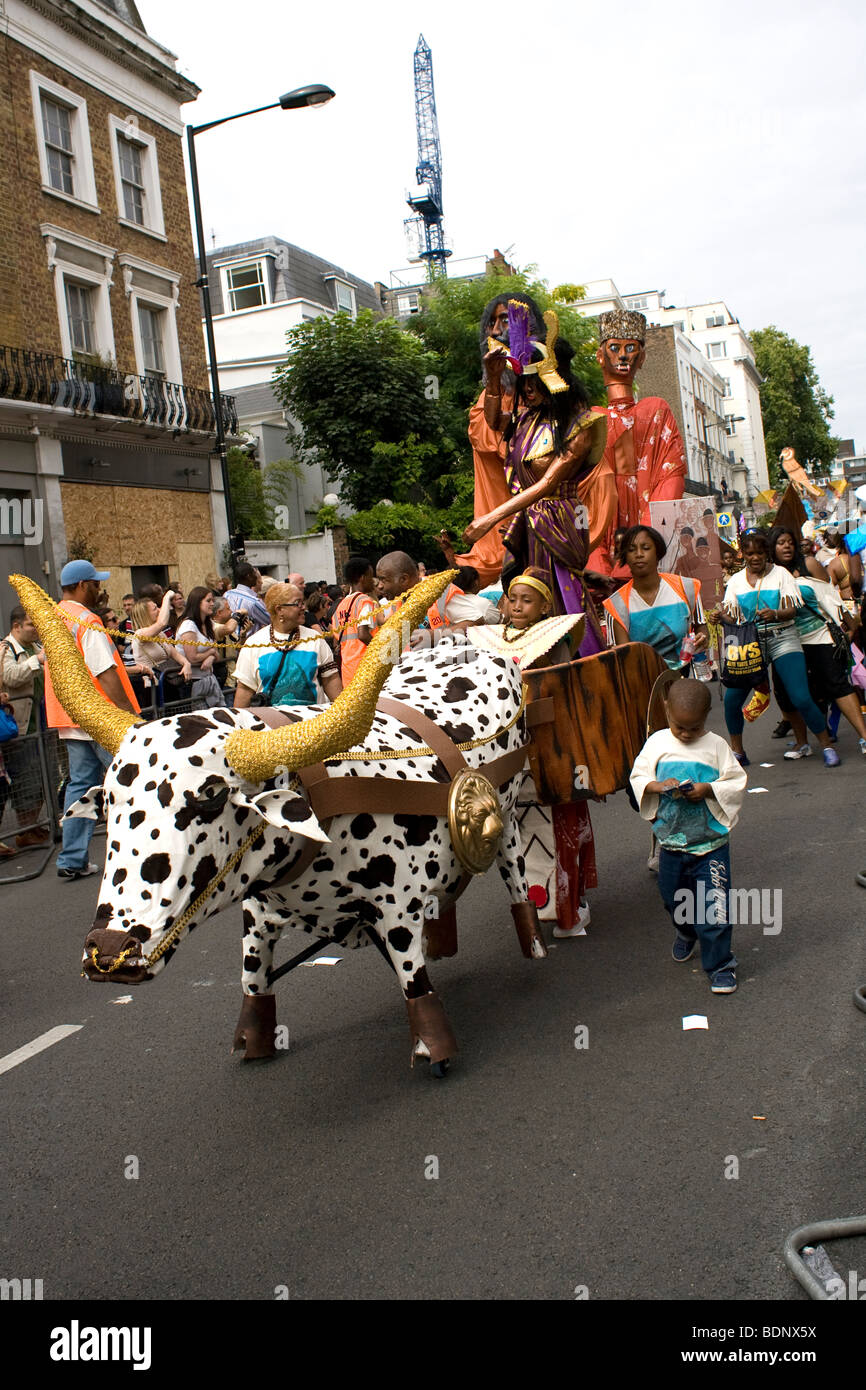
(688, 783)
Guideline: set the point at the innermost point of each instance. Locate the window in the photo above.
(639, 303)
(57, 131)
(80, 315)
(407, 304)
(153, 293)
(131, 182)
(150, 322)
(136, 176)
(345, 297)
(717, 321)
(63, 142)
(727, 384)
(717, 350)
(246, 286)
(730, 425)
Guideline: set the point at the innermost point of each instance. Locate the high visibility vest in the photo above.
(436, 616)
(352, 649)
(56, 715)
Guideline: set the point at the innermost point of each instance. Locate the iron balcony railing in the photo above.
(94, 389)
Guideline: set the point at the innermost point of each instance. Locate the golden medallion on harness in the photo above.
(474, 820)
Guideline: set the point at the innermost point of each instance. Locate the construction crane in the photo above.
(426, 201)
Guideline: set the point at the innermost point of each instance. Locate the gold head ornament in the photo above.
(73, 684)
(546, 368)
(256, 754)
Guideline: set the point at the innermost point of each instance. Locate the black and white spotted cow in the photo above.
(177, 812)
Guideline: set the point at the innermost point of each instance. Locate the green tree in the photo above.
(253, 518)
(795, 407)
(353, 385)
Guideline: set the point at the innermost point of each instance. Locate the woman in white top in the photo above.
(196, 627)
(765, 594)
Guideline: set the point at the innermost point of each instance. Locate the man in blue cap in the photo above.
(88, 760)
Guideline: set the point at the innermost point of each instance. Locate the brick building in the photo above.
(106, 420)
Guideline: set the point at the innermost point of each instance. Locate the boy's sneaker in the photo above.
(831, 758)
(683, 949)
(781, 730)
(863, 745)
(724, 981)
(743, 760)
(804, 751)
(79, 873)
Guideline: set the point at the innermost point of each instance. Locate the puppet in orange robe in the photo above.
(644, 445)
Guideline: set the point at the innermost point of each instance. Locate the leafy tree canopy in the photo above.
(795, 407)
(354, 385)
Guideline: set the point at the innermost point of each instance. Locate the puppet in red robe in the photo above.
(644, 446)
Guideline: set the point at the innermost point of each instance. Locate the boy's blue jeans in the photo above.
(701, 916)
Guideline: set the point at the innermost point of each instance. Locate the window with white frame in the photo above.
(81, 316)
(63, 141)
(407, 304)
(730, 425)
(345, 297)
(153, 293)
(716, 321)
(638, 303)
(727, 385)
(136, 176)
(151, 323)
(247, 286)
(82, 273)
(717, 350)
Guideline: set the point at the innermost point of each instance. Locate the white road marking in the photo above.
(22, 1054)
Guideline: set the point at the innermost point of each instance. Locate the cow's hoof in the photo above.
(256, 1028)
(440, 1069)
(529, 935)
(432, 1037)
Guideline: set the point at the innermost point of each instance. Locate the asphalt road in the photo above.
(559, 1168)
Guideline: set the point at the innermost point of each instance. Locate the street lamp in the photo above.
(313, 95)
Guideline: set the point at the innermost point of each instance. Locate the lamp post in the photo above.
(313, 95)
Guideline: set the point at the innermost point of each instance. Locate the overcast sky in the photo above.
(712, 151)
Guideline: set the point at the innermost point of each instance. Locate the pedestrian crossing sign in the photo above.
(723, 519)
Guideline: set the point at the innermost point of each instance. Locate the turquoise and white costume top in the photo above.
(662, 624)
(775, 589)
(820, 602)
(680, 825)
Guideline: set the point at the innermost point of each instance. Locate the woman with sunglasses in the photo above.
(767, 595)
(287, 664)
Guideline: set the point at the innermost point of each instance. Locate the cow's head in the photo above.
(183, 794)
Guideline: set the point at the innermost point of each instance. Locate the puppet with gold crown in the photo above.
(644, 447)
(556, 477)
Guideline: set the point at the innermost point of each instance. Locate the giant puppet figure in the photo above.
(644, 447)
(556, 478)
(488, 446)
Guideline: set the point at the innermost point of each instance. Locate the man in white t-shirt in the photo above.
(88, 760)
(287, 664)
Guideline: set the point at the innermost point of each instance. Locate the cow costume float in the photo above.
(360, 822)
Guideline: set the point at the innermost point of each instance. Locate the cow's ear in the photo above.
(284, 810)
(87, 807)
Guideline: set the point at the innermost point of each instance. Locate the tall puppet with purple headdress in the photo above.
(554, 469)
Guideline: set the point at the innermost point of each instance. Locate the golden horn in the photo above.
(73, 684)
(256, 755)
(551, 318)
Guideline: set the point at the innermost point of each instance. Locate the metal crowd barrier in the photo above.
(32, 770)
(33, 775)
